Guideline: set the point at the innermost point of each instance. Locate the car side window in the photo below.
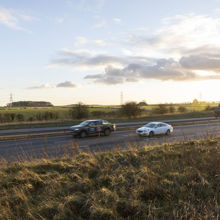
(99, 123)
(92, 124)
(105, 122)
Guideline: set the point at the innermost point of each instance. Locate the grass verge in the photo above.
(172, 181)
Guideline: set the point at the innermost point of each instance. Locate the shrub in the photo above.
(142, 103)
(209, 108)
(131, 109)
(79, 111)
(171, 109)
(39, 116)
(20, 117)
(161, 109)
(31, 118)
(182, 109)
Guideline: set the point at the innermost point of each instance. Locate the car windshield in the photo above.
(150, 125)
(84, 123)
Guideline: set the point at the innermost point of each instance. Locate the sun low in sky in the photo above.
(66, 51)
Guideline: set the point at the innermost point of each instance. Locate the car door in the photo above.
(159, 129)
(92, 128)
(99, 127)
(163, 128)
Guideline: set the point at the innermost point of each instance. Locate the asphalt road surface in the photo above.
(119, 125)
(29, 149)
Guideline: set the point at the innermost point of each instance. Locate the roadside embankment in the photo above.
(172, 181)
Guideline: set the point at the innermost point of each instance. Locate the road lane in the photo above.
(118, 125)
(56, 146)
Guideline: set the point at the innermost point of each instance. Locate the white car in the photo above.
(155, 128)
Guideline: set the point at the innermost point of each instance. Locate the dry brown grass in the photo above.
(173, 181)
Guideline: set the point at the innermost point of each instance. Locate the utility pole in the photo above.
(122, 98)
(11, 100)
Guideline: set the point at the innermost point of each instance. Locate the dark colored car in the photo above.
(92, 127)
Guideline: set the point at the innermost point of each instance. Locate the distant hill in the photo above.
(30, 104)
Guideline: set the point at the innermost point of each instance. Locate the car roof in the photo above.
(94, 120)
(157, 122)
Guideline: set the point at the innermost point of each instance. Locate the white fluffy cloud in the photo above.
(12, 18)
(180, 49)
(178, 35)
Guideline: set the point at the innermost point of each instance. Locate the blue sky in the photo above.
(69, 51)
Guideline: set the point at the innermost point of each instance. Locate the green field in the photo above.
(24, 117)
(63, 111)
(173, 181)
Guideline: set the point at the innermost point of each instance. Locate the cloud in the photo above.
(164, 69)
(177, 35)
(43, 86)
(11, 18)
(82, 41)
(186, 48)
(66, 84)
(201, 62)
(90, 59)
(86, 58)
(205, 58)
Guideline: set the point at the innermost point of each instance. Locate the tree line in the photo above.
(30, 104)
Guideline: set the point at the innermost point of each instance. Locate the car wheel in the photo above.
(151, 134)
(107, 132)
(83, 134)
(168, 132)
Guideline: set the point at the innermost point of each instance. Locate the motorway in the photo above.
(119, 125)
(32, 148)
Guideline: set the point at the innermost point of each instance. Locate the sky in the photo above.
(70, 51)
